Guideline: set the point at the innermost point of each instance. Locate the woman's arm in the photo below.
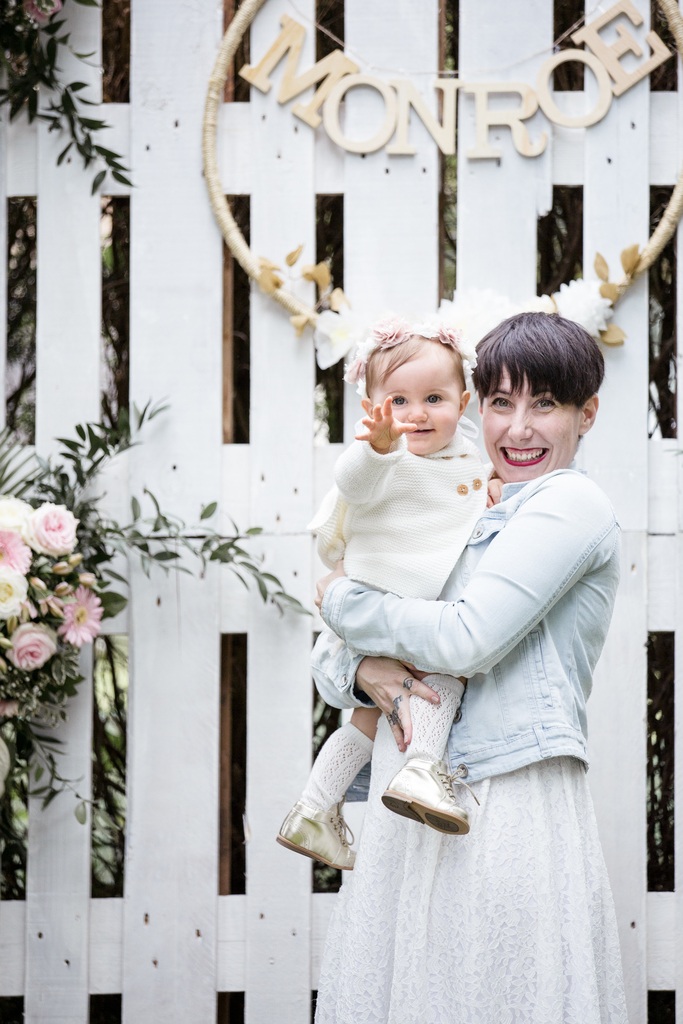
(564, 530)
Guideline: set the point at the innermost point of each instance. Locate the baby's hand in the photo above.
(495, 489)
(383, 429)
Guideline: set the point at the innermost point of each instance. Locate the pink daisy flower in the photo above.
(81, 618)
(14, 554)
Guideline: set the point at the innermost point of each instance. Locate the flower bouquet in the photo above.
(48, 607)
(57, 547)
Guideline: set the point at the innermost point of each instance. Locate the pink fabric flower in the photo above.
(42, 10)
(81, 618)
(356, 371)
(51, 530)
(390, 331)
(14, 554)
(32, 646)
(9, 708)
(448, 335)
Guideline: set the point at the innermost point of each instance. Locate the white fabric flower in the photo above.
(13, 591)
(334, 336)
(582, 302)
(14, 514)
(539, 304)
(476, 311)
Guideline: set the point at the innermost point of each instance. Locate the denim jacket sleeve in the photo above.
(562, 531)
(334, 670)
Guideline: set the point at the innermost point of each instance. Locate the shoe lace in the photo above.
(457, 777)
(341, 827)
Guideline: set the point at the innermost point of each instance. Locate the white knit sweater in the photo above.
(400, 520)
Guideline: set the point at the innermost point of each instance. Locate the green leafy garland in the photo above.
(158, 539)
(31, 34)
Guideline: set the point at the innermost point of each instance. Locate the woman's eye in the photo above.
(547, 403)
(433, 399)
(399, 401)
(502, 403)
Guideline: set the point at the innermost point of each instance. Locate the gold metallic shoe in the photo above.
(321, 835)
(423, 790)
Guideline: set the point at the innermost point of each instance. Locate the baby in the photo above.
(408, 494)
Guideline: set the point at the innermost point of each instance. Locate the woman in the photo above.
(515, 921)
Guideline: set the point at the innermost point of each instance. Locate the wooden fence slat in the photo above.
(106, 945)
(279, 711)
(615, 453)
(500, 200)
(12, 947)
(67, 390)
(394, 265)
(58, 881)
(171, 880)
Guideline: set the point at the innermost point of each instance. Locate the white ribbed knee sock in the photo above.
(336, 766)
(432, 722)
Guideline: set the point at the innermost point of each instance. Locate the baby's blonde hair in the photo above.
(383, 361)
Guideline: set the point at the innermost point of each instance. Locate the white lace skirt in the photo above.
(511, 924)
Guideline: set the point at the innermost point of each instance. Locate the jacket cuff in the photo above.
(330, 610)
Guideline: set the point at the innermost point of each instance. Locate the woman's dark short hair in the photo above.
(543, 350)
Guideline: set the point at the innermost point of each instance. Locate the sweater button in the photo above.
(477, 484)
(462, 489)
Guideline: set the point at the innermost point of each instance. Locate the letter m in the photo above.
(330, 69)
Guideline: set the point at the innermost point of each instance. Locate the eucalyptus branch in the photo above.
(31, 35)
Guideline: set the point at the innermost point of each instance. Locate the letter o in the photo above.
(331, 113)
(548, 105)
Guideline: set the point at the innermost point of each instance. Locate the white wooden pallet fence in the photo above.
(171, 943)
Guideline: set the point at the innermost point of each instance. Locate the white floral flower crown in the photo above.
(394, 330)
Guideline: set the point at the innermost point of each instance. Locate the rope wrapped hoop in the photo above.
(219, 204)
(634, 264)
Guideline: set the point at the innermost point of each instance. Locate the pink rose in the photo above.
(51, 530)
(42, 10)
(32, 646)
(14, 554)
(390, 331)
(9, 708)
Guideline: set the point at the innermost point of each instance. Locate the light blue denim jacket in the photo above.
(523, 615)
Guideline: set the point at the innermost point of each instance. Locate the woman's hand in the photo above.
(391, 685)
(324, 582)
(382, 428)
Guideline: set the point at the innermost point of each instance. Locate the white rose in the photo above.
(14, 514)
(13, 590)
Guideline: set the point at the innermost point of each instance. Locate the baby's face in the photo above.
(427, 392)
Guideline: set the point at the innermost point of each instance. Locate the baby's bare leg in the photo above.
(366, 720)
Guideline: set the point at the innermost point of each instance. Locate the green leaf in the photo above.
(38, 773)
(209, 510)
(63, 153)
(80, 431)
(254, 530)
(135, 506)
(112, 603)
(122, 180)
(166, 556)
(79, 810)
(97, 181)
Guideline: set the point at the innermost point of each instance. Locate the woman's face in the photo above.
(529, 435)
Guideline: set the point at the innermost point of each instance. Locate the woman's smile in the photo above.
(524, 456)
